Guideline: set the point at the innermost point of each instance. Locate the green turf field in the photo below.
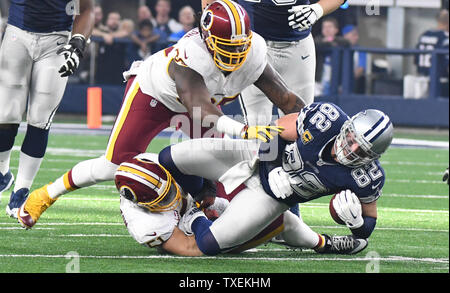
(412, 232)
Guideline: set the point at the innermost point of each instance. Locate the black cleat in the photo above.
(342, 245)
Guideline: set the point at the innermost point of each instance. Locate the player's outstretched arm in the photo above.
(273, 86)
(194, 94)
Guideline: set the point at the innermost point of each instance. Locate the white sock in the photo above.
(4, 161)
(297, 233)
(83, 174)
(28, 168)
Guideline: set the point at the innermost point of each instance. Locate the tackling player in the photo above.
(285, 25)
(207, 68)
(152, 204)
(321, 152)
(43, 44)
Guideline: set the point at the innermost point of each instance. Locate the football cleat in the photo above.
(342, 245)
(6, 181)
(15, 201)
(35, 205)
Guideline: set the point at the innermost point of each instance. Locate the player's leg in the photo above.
(46, 91)
(209, 158)
(136, 125)
(297, 234)
(297, 66)
(249, 213)
(15, 74)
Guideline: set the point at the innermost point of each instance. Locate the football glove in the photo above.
(264, 133)
(279, 183)
(445, 177)
(72, 53)
(304, 16)
(348, 208)
(207, 195)
(188, 218)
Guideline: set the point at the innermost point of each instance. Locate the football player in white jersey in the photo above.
(285, 25)
(152, 205)
(207, 68)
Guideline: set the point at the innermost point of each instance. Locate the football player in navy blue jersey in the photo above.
(321, 152)
(432, 39)
(43, 44)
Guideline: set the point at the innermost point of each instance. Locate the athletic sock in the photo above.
(62, 185)
(28, 168)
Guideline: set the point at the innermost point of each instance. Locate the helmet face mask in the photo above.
(147, 184)
(363, 138)
(225, 28)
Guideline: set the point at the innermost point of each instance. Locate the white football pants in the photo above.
(296, 63)
(29, 76)
(251, 210)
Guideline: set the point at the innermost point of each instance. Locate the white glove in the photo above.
(348, 208)
(304, 16)
(188, 218)
(279, 183)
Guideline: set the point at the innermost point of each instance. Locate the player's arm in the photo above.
(194, 94)
(273, 86)
(84, 22)
(82, 29)
(359, 217)
(305, 16)
(181, 244)
(289, 123)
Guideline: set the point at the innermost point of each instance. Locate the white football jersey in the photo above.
(191, 51)
(150, 228)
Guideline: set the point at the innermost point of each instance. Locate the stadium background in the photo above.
(388, 32)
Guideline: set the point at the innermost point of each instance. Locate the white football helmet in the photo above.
(363, 138)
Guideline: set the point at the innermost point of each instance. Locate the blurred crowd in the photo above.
(126, 40)
(118, 41)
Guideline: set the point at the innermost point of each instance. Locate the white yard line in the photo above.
(384, 259)
(121, 224)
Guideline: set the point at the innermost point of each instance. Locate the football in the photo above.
(333, 212)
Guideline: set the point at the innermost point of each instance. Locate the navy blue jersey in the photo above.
(431, 40)
(42, 16)
(309, 163)
(269, 18)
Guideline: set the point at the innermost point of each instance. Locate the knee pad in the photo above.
(35, 142)
(8, 134)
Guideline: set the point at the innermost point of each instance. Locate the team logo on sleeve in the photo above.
(306, 137)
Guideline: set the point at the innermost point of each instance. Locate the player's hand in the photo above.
(207, 195)
(264, 133)
(279, 183)
(72, 54)
(304, 16)
(445, 177)
(188, 218)
(348, 208)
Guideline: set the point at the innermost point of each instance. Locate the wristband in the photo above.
(318, 10)
(229, 126)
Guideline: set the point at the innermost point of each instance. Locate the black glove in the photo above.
(72, 53)
(207, 195)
